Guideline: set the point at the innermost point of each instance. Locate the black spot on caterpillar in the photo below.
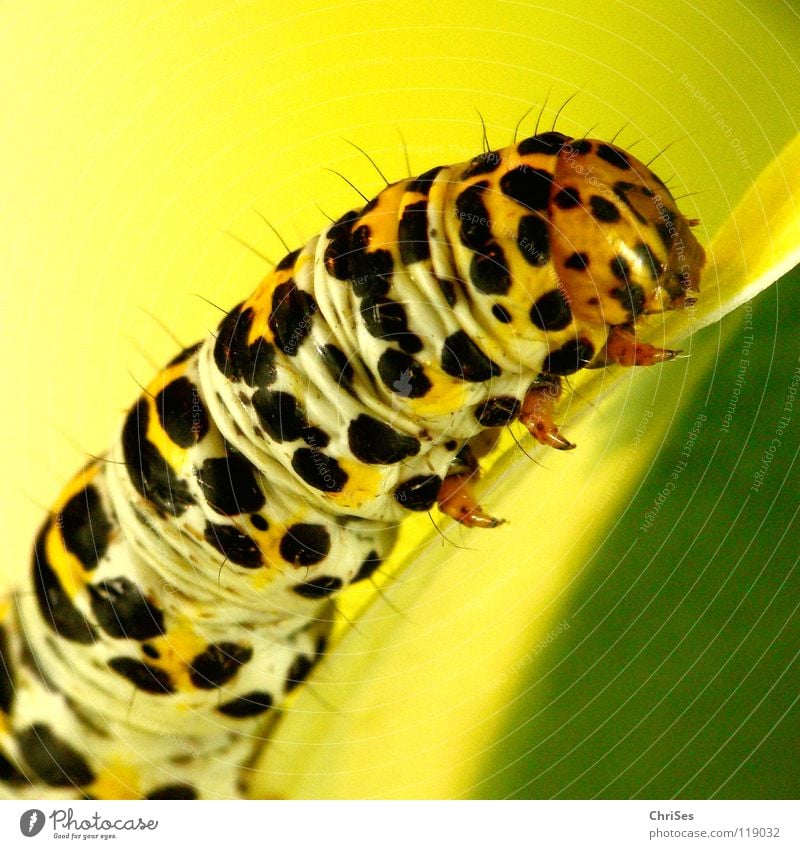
(340, 397)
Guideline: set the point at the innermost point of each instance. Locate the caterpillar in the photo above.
(359, 383)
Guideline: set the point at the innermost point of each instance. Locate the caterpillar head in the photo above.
(568, 236)
(619, 244)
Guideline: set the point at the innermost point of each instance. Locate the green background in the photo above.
(680, 674)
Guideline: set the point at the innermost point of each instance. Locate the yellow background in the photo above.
(136, 134)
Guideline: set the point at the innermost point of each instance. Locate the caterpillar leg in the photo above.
(624, 349)
(537, 414)
(457, 497)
